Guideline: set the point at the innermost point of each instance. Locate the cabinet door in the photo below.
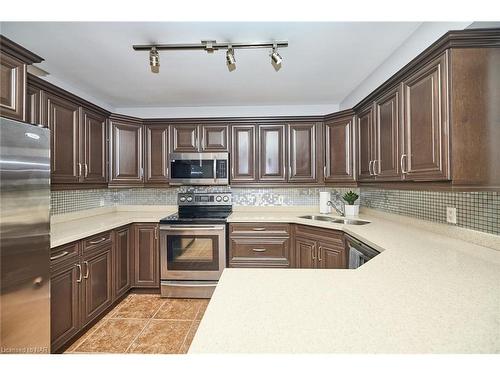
(185, 138)
(64, 304)
(126, 153)
(34, 106)
(214, 138)
(97, 294)
(426, 122)
(243, 154)
(338, 150)
(146, 256)
(365, 144)
(305, 253)
(121, 261)
(387, 141)
(156, 154)
(94, 148)
(63, 118)
(302, 150)
(272, 153)
(12, 87)
(331, 256)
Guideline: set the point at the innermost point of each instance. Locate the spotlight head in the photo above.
(230, 59)
(154, 60)
(275, 57)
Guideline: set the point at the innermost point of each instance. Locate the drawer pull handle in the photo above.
(259, 229)
(87, 270)
(79, 279)
(98, 241)
(259, 250)
(64, 253)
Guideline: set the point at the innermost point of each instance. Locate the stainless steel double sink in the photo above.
(335, 220)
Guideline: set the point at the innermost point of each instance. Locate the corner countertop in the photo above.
(429, 291)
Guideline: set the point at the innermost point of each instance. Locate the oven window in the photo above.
(192, 253)
(192, 169)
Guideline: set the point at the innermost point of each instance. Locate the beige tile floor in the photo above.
(144, 323)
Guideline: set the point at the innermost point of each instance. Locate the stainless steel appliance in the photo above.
(24, 238)
(193, 245)
(199, 168)
(359, 253)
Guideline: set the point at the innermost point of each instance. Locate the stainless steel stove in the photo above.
(193, 245)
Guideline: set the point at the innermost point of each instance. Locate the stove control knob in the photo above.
(226, 198)
(218, 198)
(189, 199)
(182, 199)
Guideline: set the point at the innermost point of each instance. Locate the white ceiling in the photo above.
(322, 65)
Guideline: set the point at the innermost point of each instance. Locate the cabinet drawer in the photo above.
(330, 236)
(262, 252)
(96, 241)
(259, 229)
(64, 253)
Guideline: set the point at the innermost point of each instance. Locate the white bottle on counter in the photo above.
(324, 197)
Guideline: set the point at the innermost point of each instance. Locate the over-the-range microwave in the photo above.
(199, 168)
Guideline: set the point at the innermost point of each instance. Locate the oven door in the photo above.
(192, 252)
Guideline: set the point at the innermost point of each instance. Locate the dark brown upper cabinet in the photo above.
(365, 144)
(126, 152)
(156, 154)
(386, 163)
(214, 138)
(185, 138)
(63, 119)
(302, 152)
(34, 106)
(426, 148)
(272, 153)
(339, 161)
(243, 154)
(94, 147)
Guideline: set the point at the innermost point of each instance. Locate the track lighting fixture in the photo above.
(210, 46)
(154, 60)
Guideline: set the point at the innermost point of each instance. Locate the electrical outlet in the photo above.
(451, 215)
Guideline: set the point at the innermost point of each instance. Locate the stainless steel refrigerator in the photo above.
(24, 238)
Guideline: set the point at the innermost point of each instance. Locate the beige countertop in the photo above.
(427, 292)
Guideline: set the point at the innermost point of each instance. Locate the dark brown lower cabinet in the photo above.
(319, 248)
(146, 256)
(122, 261)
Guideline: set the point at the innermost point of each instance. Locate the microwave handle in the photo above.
(215, 170)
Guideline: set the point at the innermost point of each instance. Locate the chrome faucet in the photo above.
(340, 211)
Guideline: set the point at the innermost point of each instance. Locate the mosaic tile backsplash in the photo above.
(475, 210)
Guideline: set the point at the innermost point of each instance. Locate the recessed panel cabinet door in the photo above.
(156, 154)
(302, 153)
(185, 138)
(126, 153)
(272, 153)
(64, 304)
(338, 147)
(94, 147)
(365, 144)
(63, 118)
(243, 154)
(146, 256)
(387, 139)
(97, 284)
(331, 257)
(305, 253)
(426, 122)
(122, 264)
(214, 138)
(12, 87)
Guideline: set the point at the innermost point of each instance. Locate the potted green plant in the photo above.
(351, 209)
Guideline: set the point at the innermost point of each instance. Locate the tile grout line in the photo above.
(143, 328)
(189, 330)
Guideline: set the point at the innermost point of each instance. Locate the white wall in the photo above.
(229, 111)
(422, 38)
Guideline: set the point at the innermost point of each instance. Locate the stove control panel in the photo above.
(204, 199)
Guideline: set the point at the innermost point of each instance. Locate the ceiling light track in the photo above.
(209, 45)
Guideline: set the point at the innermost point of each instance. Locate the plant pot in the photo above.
(351, 210)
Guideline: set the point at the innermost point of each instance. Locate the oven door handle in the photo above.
(190, 227)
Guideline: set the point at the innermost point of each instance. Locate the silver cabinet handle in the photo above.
(86, 170)
(313, 254)
(401, 163)
(259, 250)
(319, 255)
(324, 171)
(79, 169)
(215, 170)
(370, 167)
(79, 279)
(289, 171)
(232, 172)
(373, 167)
(156, 233)
(98, 241)
(86, 270)
(142, 172)
(259, 229)
(64, 253)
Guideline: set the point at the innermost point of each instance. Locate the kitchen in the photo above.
(365, 219)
